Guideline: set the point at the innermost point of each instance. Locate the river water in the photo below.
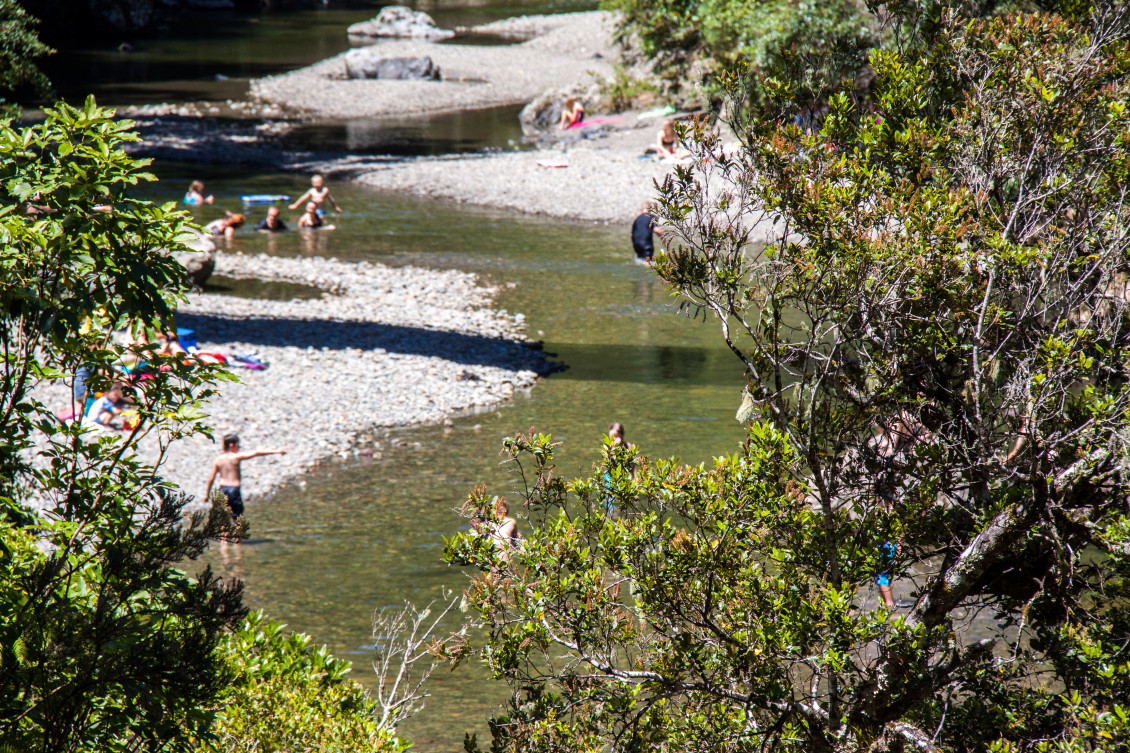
(366, 534)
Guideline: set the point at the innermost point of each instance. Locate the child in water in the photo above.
(318, 194)
(227, 467)
(312, 219)
(195, 195)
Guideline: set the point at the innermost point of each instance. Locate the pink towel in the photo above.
(595, 121)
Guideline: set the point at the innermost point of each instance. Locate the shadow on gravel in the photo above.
(458, 347)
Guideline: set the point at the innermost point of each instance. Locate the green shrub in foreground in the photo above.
(286, 695)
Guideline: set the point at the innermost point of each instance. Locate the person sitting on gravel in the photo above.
(195, 196)
(667, 144)
(272, 223)
(103, 410)
(318, 194)
(170, 344)
(312, 219)
(226, 225)
(227, 466)
(572, 114)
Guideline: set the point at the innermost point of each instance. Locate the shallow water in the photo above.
(212, 55)
(445, 133)
(366, 534)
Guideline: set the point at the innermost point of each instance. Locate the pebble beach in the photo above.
(383, 347)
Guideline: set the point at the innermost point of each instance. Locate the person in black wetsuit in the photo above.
(642, 230)
(272, 223)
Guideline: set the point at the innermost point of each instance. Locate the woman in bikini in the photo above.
(667, 144)
(226, 225)
(195, 195)
(572, 114)
(505, 533)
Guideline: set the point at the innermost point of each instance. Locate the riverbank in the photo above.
(384, 347)
(564, 48)
(597, 180)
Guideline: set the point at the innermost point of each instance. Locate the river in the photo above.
(365, 534)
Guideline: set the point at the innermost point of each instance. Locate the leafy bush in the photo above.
(689, 41)
(934, 341)
(624, 91)
(19, 47)
(284, 695)
(104, 643)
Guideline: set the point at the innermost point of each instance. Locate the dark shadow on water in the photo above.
(470, 350)
(646, 364)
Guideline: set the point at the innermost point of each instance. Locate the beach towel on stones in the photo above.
(368, 63)
(398, 21)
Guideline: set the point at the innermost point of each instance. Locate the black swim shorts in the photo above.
(235, 500)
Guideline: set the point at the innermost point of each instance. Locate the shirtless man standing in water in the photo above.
(227, 465)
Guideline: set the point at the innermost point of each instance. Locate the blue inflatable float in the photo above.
(263, 198)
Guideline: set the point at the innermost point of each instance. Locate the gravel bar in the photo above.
(383, 347)
(567, 46)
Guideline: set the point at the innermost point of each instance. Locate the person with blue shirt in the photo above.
(195, 196)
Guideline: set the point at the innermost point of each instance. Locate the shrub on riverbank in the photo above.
(106, 644)
(935, 353)
(688, 42)
(285, 695)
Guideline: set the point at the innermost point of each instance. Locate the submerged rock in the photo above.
(398, 21)
(369, 63)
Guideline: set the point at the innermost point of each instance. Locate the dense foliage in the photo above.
(286, 695)
(824, 46)
(688, 42)
(934, 341)
(106, 645)
(19, 48)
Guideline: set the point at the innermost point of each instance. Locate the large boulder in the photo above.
(367, 62)
(543, 113)
(200, 261)
(398, 21)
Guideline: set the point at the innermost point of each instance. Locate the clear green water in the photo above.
(367, 534)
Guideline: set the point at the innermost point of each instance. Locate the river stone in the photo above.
(398, 21)
(200, 262)
(369, 63)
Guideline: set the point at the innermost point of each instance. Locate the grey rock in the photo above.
(369, 63)
(200, 262)
(399, 21)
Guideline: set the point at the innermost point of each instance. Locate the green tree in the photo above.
(19, 47)
(934, 342)
(104, 644)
